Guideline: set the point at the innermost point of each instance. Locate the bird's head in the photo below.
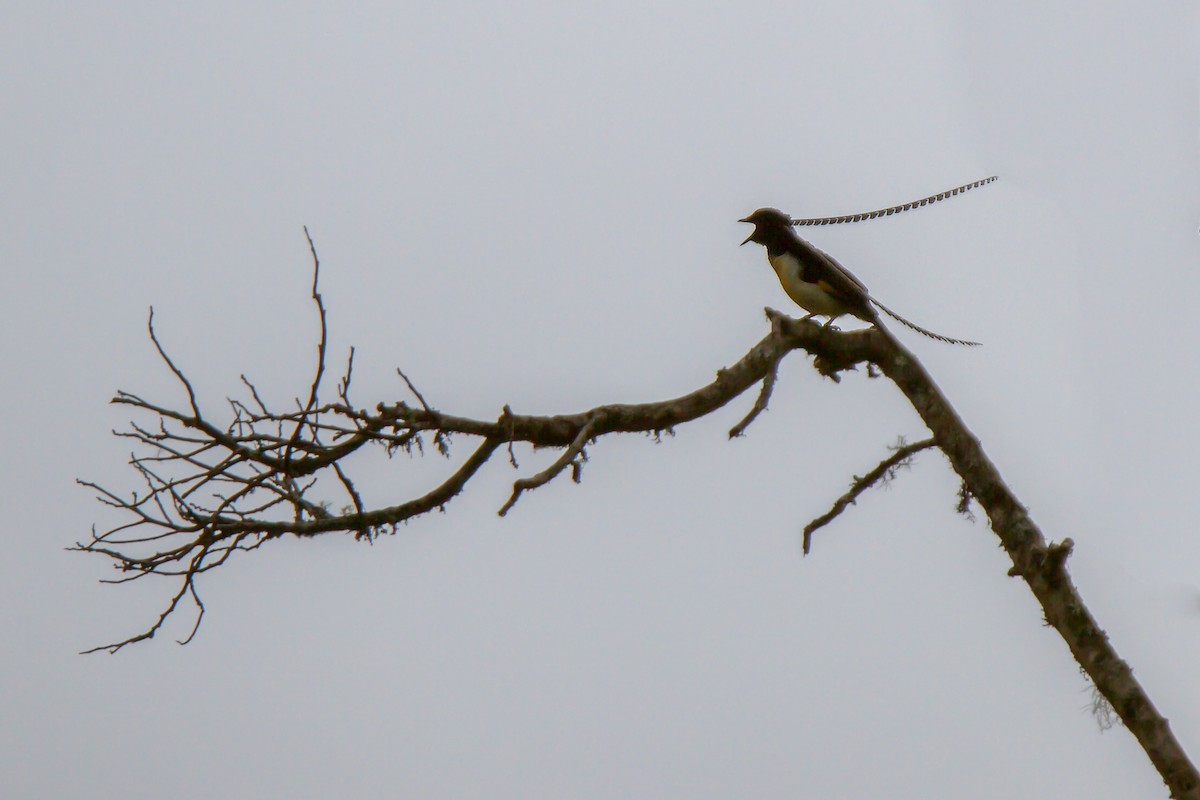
(767, 222)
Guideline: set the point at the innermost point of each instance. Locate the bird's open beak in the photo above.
(751, 236)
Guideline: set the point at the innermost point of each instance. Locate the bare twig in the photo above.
(760, 404)
(506, 414)
(573, 452)
(191, 393)
(188, 587)
(323, 341)
(882, 473)
(413, 389)
(344, 384)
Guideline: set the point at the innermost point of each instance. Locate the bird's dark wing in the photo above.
(825, 271)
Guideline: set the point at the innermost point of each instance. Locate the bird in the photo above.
(815, 280)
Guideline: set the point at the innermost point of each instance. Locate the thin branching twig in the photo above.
(883, 472)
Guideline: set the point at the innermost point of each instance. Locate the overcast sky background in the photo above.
(536, 204)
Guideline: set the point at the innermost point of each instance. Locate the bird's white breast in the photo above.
(808, 296)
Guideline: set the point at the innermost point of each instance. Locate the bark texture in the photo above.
(1042, 566)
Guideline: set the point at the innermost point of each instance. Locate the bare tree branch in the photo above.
(570, 456)
(882, 473)
(212, 489)
(760, 404)
(1042, 566)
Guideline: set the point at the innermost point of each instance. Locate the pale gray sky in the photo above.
(536, 204)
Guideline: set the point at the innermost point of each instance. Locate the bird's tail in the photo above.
(921, 330)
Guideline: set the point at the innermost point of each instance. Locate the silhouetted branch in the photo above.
(883, 472)
(211, 489)
(1043, 567)
(760, 404)
(572, 455)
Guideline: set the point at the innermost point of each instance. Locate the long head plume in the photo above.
(887, 212)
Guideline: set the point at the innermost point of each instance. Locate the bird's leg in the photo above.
(829, 324)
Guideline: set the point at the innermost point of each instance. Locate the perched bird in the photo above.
(814, 279)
